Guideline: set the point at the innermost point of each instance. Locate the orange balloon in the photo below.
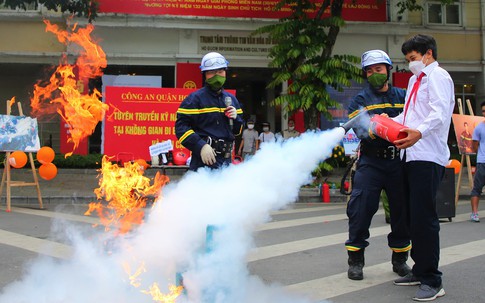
(45, 155)
(17, 159)
(455, 164)
(48, 171)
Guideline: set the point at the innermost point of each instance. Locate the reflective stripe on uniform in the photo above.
(403, 249)
(352, 248)
(185, 135)
(198, 111)
(376, 106)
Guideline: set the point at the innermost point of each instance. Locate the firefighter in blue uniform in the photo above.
(378, 168)
(208, 118)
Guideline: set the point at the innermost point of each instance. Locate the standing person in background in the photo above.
(290, 132)
(378, 169)
(208, 118)
(266, 136)
(430, 100)
(478, 146)
(249, 144)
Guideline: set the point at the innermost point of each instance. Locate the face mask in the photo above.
(377, 80)
(216, 82)
(266, 129)
(250, 126)
(417, 66)
(291, 127)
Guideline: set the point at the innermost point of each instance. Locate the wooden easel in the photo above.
(464, 156)
(6, 177)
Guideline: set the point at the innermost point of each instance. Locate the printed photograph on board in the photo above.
(19, 133)
(464, 126)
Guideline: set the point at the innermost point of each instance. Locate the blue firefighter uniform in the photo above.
(201, 120)
(378, 168)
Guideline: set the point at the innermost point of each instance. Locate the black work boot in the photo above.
(399, 265)
(356, 263)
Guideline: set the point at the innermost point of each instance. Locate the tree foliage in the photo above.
(302, 55)
(80, 8)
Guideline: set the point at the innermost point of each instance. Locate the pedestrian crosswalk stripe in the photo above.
(58, 215)
(304, 221)
(338, 284)
(276, 250)
(45, 247)
(305, 209)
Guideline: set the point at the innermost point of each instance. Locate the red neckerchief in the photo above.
(413, 95)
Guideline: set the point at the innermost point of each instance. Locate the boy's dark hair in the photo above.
(482, 104)
(421, 44)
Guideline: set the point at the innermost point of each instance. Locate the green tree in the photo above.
(302, 55)
(80, 8)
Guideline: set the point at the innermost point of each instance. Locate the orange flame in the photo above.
(81, 111)
(126, 190)
(134, 278)
(158, 296)
(154, 290)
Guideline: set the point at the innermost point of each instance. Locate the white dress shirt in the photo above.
(430, 114)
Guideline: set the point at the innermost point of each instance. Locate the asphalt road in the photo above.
(301, 249)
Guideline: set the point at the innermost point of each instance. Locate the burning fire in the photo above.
(158, 296)
(126, 190)
(154, 290)
(81, 111)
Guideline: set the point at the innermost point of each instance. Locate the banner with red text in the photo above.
(362, 10)
(139, 117)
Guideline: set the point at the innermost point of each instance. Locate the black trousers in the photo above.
(422, 179)
(372, 176)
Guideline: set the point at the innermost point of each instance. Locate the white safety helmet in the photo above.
(212, 61)
(375, 56)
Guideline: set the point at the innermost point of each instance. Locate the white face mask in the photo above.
(291, 127)
(266, 129)
(417, 66)
(250, 126)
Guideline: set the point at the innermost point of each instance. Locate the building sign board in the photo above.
(362, 10)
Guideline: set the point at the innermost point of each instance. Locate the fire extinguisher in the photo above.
(325, 193)
(386, 128)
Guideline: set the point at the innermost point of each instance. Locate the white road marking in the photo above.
(339, 284)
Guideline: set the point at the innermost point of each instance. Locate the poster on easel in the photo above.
(464, 125)
(19, 133)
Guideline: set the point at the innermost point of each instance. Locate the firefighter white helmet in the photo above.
(375, 57)
(212, 61)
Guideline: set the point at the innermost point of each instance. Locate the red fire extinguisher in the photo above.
(325, 193)
(386, 128)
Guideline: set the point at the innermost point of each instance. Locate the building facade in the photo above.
(140, 43)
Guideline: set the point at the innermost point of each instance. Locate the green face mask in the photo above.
(377, 80)
(216, 82)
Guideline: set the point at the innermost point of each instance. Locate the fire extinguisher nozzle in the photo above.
(360, 119)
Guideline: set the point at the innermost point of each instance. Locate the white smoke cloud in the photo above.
(233, 201)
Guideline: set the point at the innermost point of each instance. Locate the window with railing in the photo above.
(438, 13)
